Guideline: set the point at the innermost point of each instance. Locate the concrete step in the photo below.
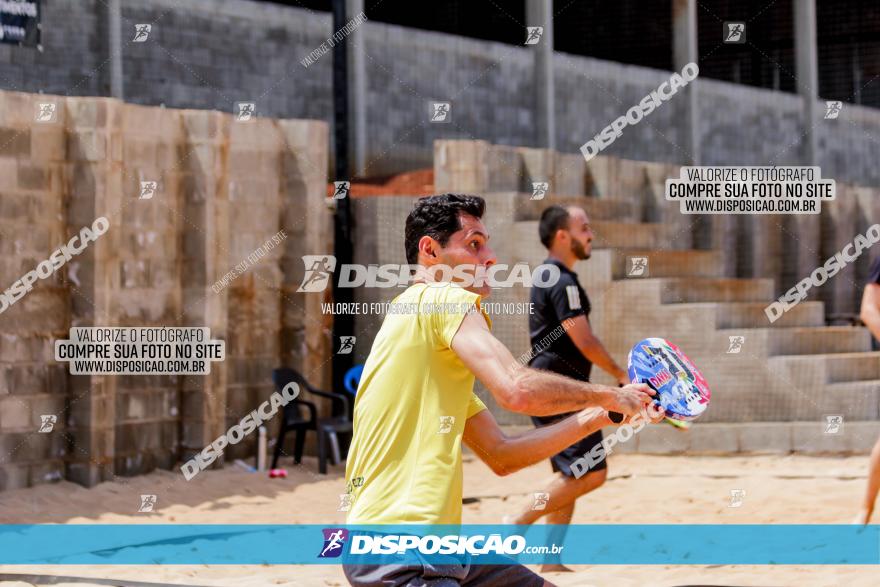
(855, 437)
(817, 340)
(596, 208)
(711, 289)
(612, 235)
(687, 263)
(751, 314)
(837, 367)
(852, 366)
(854, 400)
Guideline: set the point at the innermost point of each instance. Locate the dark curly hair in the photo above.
(553, 219)
(438, 217)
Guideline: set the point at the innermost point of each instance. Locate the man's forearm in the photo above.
(595, 351)
(517, 452)
(542, 393)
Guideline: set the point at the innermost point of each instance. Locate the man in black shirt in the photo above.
(560, 333)
(870, 315)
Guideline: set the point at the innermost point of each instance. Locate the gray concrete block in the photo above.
(861, 436)
(810, 438)
(664, 439)
(713, 438)
(764, 437)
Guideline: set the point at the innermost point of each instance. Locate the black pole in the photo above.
(343, 324)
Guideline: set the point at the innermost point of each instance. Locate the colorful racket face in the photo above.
(681, 388)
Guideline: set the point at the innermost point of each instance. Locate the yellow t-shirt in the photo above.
(404, 465)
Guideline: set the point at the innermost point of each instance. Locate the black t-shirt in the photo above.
(874, 277)
(551, 306)
(874, 272)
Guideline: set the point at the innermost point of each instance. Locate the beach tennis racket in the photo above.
(680, 388)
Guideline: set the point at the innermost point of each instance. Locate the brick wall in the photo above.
(32, 221)
(224, 188)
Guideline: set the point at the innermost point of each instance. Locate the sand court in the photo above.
(640, 490)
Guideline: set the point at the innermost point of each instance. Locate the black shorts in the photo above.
(428, 575)
(562, 461)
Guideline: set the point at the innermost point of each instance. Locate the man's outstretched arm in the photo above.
(508, 454)
(530, 391)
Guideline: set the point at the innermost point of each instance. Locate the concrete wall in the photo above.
(212, 53)
(203, 54)
(74, 57)
(591, 94)
(488, 84)
(224, 188)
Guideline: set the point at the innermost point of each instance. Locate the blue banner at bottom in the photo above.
(171, 544)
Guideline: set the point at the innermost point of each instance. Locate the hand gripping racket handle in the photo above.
(617, 417)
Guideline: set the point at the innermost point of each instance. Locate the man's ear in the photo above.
(428, 247)
(560, 233)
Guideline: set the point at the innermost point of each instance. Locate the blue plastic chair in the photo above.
(353, 378)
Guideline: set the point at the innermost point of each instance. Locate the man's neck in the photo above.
(423, 275)
(567, 260)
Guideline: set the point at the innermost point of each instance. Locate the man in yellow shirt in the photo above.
(415, 403)
(870, 315)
